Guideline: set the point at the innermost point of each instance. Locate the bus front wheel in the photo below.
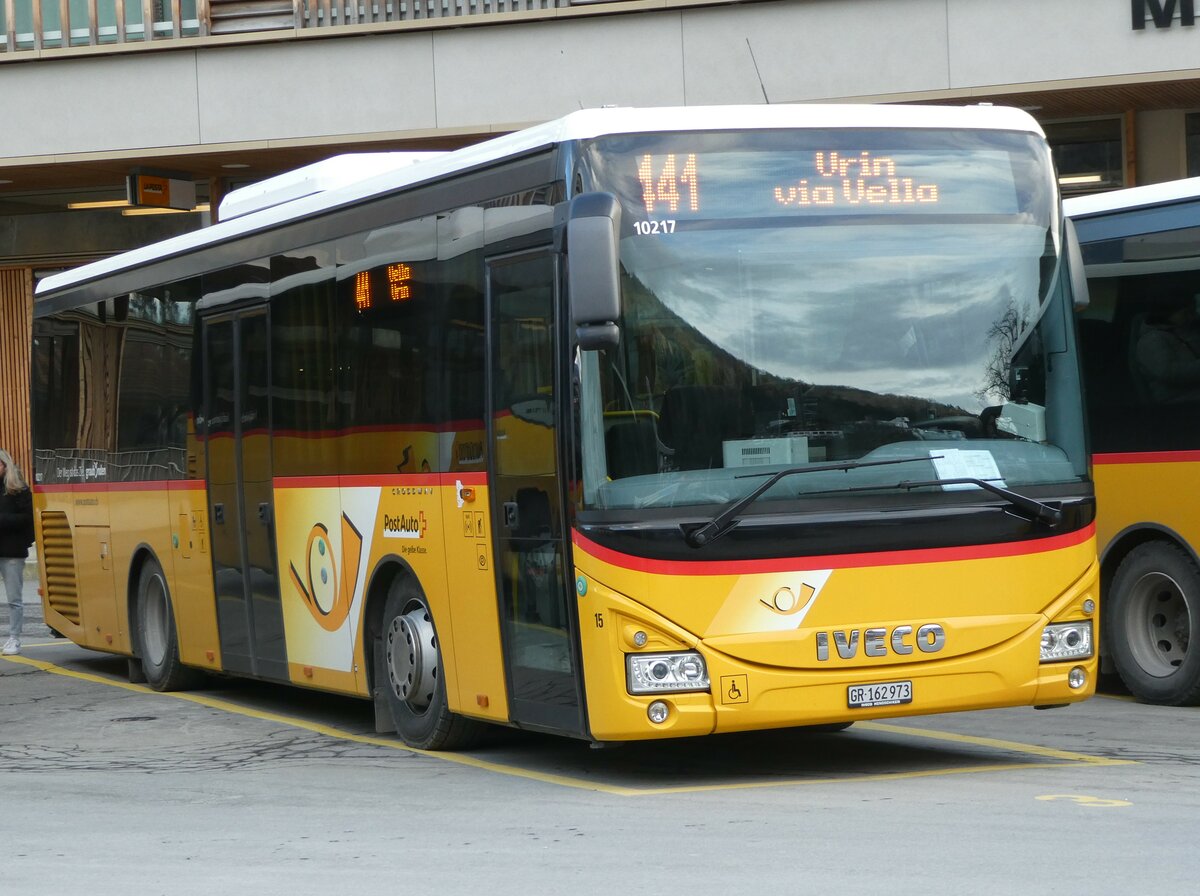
(1153, 614)
(412, 674)
(157, 640)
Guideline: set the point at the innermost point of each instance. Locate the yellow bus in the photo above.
(642, 423)
(1141, 353)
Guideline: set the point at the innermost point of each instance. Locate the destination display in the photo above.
(664, 190)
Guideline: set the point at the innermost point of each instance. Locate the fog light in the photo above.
(1066, 641)
(658, 672)
(1089, 606)
(1077, 677)
(640, 639)
(658, 712)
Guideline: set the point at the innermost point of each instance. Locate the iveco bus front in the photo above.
(832, 462)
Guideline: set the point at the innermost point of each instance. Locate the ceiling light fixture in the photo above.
(130, 212)
(100, 203)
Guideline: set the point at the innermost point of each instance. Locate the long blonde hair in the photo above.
(14, 479)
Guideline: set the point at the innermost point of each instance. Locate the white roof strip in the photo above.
(582, 125)
(320, 177)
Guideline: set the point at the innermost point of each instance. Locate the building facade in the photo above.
(218, 93)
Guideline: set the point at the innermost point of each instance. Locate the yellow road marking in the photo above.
(1052, 758)
(1091, 801)
(1008, 745)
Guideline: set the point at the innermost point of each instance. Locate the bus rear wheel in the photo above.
(157, 640)
(412, 674)
(1153, 615)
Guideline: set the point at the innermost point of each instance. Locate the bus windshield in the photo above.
(807, 297)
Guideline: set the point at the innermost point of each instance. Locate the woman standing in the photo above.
(16, 535)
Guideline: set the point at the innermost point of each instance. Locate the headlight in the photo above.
(1066, 641)
(654, 673)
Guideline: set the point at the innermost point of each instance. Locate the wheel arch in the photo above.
(142, 554)
(388, 570)
(1121, 544)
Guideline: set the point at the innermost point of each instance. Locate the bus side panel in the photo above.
(77, 560)
(475, 653)
(190, 574)
(322, 534)
(1133, 489)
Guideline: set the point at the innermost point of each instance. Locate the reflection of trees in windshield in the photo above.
(1005, 336)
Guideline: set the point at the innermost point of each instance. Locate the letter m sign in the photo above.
(1163, 12)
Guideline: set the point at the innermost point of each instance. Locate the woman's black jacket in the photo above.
(16, 523)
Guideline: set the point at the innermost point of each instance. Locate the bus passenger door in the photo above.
(241, 506)
(536, 607)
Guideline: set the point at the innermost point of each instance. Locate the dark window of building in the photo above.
(1089, 154)
(1193, 144)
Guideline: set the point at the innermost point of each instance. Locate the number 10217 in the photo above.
(652, 228)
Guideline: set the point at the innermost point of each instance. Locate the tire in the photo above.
(157, 639)
(1153, 615)
(410, 672)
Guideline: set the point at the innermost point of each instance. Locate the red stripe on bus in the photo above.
(1146, 457)
(833, 561)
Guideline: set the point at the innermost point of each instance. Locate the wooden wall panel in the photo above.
(16, 339)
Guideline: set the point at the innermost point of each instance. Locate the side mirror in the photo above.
(593, 269)
(1079, 286)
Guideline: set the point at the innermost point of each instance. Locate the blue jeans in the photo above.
(13, 571)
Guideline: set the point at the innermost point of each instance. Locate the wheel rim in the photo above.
(412, 658)
(1159, 624)
(155, 616)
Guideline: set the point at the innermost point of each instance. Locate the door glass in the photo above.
(527, 488)
(220, 437)
(258, 512)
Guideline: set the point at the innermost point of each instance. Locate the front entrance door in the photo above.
(237, 428)
(537, 608)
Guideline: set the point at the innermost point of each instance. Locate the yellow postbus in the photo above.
(637, 424)
(1141, 350)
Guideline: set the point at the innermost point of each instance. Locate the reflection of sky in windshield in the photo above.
(900, 310)
(891, 296)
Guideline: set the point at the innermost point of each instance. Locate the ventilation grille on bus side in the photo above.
(58, 560)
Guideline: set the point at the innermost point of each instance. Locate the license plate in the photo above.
(887, 693)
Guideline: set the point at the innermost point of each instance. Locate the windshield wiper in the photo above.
(1037, 511)
(1040, 512)
(728, 518)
